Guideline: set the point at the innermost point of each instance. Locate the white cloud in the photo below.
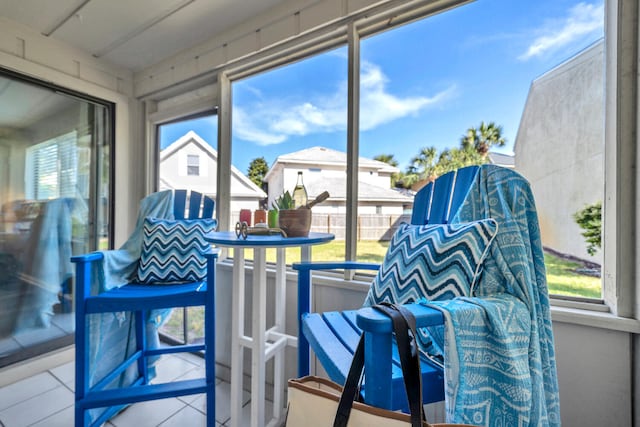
(377, 106)
(244, 128)
(583, 19)
(274, 121)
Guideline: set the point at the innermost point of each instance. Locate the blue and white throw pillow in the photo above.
(172, 250)
(433, 262)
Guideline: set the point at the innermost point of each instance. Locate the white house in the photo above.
(191, 163)
(324, 169)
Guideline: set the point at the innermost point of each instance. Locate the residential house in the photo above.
(324, 169)
(191, 162)
(501, 159)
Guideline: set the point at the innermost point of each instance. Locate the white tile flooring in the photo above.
(46, 400)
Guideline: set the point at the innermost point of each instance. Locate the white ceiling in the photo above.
(132, 33)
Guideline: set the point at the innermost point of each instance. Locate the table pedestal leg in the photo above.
(280, 319)
(237, 330)
(258, 329)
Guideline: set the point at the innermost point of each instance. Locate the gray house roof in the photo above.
(322, 156)
(337, 189)
(505, 160)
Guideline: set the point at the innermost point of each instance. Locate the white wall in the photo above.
(174, 169)
(560, 148)
(593, 375)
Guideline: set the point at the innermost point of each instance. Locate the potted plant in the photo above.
(294, 222)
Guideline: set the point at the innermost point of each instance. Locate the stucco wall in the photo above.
(560, 146)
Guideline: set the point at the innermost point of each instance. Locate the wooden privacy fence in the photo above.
(370, 226)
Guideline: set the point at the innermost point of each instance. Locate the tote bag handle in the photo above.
(403, 322)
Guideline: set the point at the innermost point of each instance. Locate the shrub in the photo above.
(590, 220)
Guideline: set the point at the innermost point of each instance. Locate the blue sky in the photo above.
(423, 84)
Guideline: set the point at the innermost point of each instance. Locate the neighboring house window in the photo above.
(378, 210)
(52, 168)
(193, 165)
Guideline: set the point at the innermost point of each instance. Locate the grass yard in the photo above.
(562, 278)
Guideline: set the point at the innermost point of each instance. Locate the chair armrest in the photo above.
(304, 277)
(304, 297)
(371, 320)
(335, 265)
(90, 257)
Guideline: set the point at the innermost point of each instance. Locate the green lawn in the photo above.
(561, 278)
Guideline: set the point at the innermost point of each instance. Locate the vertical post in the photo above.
(210, 338)
(223, 192)
(280, 317)
(377, 370)
(353, 134)
(258, 327)
(237, 335)
(83, 291)
(304, 306)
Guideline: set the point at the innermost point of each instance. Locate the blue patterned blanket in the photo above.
(500, 365)
(112, 334)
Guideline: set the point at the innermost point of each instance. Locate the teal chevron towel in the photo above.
(500, 366)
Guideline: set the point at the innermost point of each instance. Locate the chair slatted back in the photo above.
(438, 202)
(196, 201)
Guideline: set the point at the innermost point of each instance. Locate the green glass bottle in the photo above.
(299, 193)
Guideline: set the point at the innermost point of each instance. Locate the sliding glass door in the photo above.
(55, 201)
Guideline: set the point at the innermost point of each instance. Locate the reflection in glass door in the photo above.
(54, 203)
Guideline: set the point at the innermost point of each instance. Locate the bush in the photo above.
(590, 220)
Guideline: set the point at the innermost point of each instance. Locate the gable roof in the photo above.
(323, 156)
(337, 188)
(192, 137)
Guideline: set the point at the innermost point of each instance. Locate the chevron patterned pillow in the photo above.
(434, 262)
(172, 250)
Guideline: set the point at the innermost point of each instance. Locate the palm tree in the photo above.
(390, 160)
(422, 167)
(483, 138)
(386, 158)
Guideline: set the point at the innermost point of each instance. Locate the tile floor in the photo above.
(46, 400)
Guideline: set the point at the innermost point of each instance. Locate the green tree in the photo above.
(390, 160)
(258, 168)
(590, 220)
(481, 139)
(473, 150)
(422, 167)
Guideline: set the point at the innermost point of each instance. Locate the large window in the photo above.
(55, 202)
(523, 90)
(521, 84)
(288, 120)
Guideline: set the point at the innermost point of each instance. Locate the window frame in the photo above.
(193, 169)
(621, 87)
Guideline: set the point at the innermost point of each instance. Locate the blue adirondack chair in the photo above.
(142, 299)
(334, 336)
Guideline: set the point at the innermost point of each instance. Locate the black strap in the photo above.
(403, 322)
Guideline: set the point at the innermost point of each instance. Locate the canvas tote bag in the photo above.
(318, 402)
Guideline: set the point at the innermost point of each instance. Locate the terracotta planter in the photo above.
(295, 222)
